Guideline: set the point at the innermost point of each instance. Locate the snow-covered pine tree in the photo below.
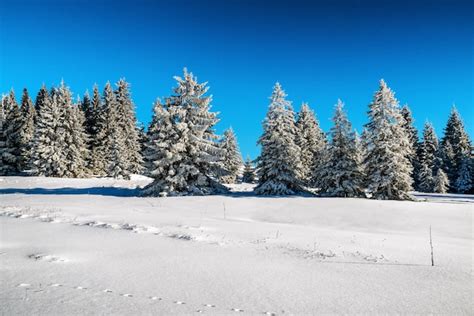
(113, 137)
(75, 138)
(428, 158)
(12, 150)
(232, 160)
(4, 151)
(311, 140)
(411, 131)
(464, 181)
(127, 123)
(441, 181)
(181, 146)
(48, 156)
(387, 167)
(342, 174)
(278, 164)
(455, 143)
(248, 175)
(98, 140)
(27, 130)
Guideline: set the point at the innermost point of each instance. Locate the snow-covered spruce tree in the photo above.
(181, 147)
(278, 164)
(48, 156)
(248, 175)
(4, 150)
(232, 160)
(311, 140)
(97, 136)
(27, 130)
(127, 123)
(342, 174)
(113, 137)
(464, 181)
(387, 167)
(428, 159)
(456, 148)
(75, 137)
(441, 181)
(12, 150)
(412, 133)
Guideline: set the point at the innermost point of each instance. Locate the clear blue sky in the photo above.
(318, 50)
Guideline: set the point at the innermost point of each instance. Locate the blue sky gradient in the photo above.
(318, 50)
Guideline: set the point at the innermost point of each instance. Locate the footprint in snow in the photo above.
(269, 313)
(23, 285)
(209, 305)
(80, 288)
(127, 295)
(237, 310)
(107, 291)
(155, 298)
(179, 302)
(55, 285)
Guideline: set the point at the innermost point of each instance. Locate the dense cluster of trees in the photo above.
(98, 135)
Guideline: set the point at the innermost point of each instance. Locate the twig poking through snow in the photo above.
(431, 246)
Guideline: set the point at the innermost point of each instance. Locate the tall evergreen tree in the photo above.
(428, 159)
(248, 175)
(27, 130)
(464, 181)
(48, 156)
(278, 164)
(232, 160)
(408, 125)
(387, 166)
(98, 140)
(127, 124)
(75, 139)
(184, 162)
(5, 167)
(455, 143)
(342, 175)
(12, 151)
(311, 140)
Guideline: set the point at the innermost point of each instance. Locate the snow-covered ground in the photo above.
(91, 246)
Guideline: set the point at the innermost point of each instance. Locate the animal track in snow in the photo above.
(269, 313)
(107, 291)
(237, 310)
(155, 298)
(48, 258)
(80, 288)
(209, 305)
(179, 302)
(55, 285)
(126, 295)
(24, 285)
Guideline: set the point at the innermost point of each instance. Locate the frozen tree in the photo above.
(11, 151)
(456, 148)
(248, 175)
(278, 164)
(441, 181)
(27, 130)
(311, 140)
(232, 160)
(127, 124)
(181, 148)
(74, 139)
(48, 156)
(387, 166)
(428, 159)
(408, 125)
(464, 181)
(97, 136)
(5, 167)
(342, 173)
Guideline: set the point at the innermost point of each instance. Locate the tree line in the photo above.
(98, 135)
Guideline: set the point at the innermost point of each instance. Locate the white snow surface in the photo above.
(92, 246)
